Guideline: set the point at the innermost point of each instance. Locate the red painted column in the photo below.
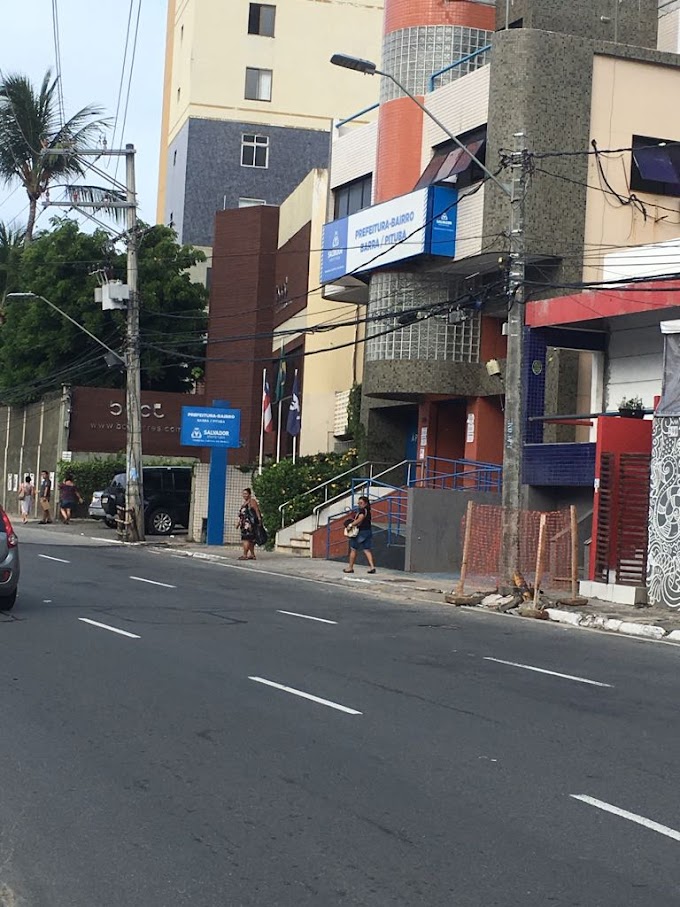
(400, 124)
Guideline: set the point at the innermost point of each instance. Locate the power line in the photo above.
(122, 74)
(129, 85)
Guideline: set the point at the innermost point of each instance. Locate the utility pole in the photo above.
(134, 492)
(513, 429)
(134, 502)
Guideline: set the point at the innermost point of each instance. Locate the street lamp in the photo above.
(368, 68)
(513, 440)
(112, 357)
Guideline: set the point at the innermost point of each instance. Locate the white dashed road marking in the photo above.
(326, 702)
(59, 560)
(95, 623)
(321, 620)
(514, 664)
(632, 817)
(152, 582)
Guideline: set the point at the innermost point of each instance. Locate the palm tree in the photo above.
(30, 124)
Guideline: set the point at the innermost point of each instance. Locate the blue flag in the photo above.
(294, 416)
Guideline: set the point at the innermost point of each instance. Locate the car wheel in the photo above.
(7, 601)
(110, 522)
(160, 522)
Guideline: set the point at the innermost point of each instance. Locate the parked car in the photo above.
(167, 497)
(9, 563)
(97, 512)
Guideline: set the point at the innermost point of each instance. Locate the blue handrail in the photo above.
(355, 116)
(440, 72)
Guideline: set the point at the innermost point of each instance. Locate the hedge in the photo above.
(288, 481)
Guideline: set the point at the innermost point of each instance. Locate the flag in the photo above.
(294, 416)
(280, 387)
(267, 419)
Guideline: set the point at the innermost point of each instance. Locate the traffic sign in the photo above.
(207, 426)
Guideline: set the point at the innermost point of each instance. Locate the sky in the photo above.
(92, 40)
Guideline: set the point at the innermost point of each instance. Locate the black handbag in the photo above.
(261, 535)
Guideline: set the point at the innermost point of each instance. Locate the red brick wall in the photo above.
(242, 302)
(407, 13)
(399, 152)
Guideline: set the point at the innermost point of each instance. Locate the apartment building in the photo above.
(248, 98)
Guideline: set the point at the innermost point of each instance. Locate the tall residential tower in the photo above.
(248, 100)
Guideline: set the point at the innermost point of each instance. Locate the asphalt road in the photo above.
(178, 763)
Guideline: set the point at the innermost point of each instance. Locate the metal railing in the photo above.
(364, 482)
(355, 116)
(324, 486)
(456, 64)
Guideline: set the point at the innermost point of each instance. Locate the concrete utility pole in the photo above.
(513, 429)
(134, 492)
(134, 500)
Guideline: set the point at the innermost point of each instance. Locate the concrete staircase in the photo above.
(299, 545)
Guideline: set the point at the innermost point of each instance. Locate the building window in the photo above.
(179, 92)
(181, 34)
(451, 165)
(352, 197)
(251, 202)
(254, 150)
(655, 166)
(261, 18)
(258, 84)
(174, 157)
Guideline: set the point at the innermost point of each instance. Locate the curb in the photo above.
(612, 625)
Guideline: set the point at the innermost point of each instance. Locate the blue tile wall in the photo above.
(559, 464)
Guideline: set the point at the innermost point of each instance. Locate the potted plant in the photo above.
(632, 408)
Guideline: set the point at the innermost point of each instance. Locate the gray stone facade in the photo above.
(206, 174)
(625, 21)
(541, 84)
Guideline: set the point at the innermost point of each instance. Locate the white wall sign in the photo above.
(470, 429)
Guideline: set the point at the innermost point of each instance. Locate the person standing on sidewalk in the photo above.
(26, 495)
(68, 497)
(45, 495)
(248, 517)
(362, 541)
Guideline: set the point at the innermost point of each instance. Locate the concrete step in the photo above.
(299, 542)
(294, 552)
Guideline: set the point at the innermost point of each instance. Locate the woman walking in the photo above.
(26, 495)
(69, 496)
(362, 541)
(248, 517)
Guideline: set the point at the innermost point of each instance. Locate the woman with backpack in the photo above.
(26, 495)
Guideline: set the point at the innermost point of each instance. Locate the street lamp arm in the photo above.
(368, 68)
(438, 122)
(68, 318)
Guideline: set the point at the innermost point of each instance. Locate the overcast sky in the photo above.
(92, 46)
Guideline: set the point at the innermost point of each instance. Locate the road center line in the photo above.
(59, 560)
(95, 623)
(321, 620)
(331, 705)
(152, 582)
(514, 664)
(632, 817)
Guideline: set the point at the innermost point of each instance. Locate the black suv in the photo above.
(167, 496)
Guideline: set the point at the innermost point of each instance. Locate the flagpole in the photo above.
(264, 379)
(294, 447)
(278, 433)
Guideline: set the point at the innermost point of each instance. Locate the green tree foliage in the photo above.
(40, 349)
(30, 124)
(288, 481)
(11, 244)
